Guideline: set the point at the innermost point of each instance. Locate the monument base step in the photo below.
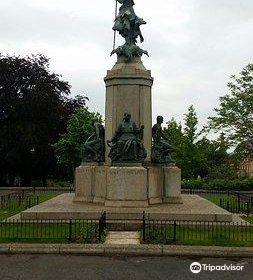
(193, 208)
(125, 203)
(173, 200)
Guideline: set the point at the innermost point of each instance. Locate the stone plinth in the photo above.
(126, 187)
(90, 183)
(155, 184)
(128, 90)
(172, 184)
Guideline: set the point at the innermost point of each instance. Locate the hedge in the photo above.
(239, 184)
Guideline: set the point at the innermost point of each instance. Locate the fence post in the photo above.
(29, 202)
(19, 200)
(70, 229)
(101, 226)
(175, 233)
(239, 203)
(104, 219)
(38, 200)
(228, 205)
(99, 229)
(221, 202)
(143, 227)
(238, 195)
(247, 208)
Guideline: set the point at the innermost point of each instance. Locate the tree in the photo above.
(192, 156)
(184, 140)
(235, 114)
(34, 109)
(191, 122)
(195, 154)
(78, 130)
(215, 161)
(174, 132)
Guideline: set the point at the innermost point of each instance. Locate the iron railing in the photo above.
(10, 203)
(196, 232)
(236, 206)
(72, 230)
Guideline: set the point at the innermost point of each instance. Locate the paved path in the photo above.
(52, 267)
(123, 237)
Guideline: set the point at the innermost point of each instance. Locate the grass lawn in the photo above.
(216, 198)
(230, 203)
(248, 219)
(60, 231)
(13, 206)
(80, 231)
(208, 235)
(45, 196)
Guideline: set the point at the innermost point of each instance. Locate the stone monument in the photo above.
(133, 173)
(127, 166)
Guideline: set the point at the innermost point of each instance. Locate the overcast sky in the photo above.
(194, 46)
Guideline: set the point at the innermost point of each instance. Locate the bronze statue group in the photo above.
(126, 143)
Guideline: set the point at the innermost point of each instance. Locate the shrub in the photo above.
(238, 184)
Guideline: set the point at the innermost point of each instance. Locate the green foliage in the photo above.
(191, 121)
(35, 109)
(195, 184)
(195, 154)
(238, 184)
(14, 206)
(79, 129)
(234, 116)
(248, 219)
(60, 184)
(198, 234)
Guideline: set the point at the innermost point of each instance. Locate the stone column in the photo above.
(128, 89)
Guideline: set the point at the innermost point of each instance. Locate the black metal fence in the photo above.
(54, 190)
(102, 226)
(235, 202)
(80, 231)
(14, 192)
(10, 203)
(236, 206)
(243, 196)
(196, 232)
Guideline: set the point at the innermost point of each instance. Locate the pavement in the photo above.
(123, 237)
(126, 250)
(51, 267)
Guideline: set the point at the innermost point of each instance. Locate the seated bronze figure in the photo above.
(125, 145)
(94, 148)
(161, 149)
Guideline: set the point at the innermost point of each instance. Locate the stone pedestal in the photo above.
(128, 90)
(172, 184)
(90, 183)
(126, 187)
(155, 184)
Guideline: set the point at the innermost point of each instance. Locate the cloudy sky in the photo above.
(194, 46)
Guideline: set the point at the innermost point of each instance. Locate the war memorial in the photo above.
(127, 166)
